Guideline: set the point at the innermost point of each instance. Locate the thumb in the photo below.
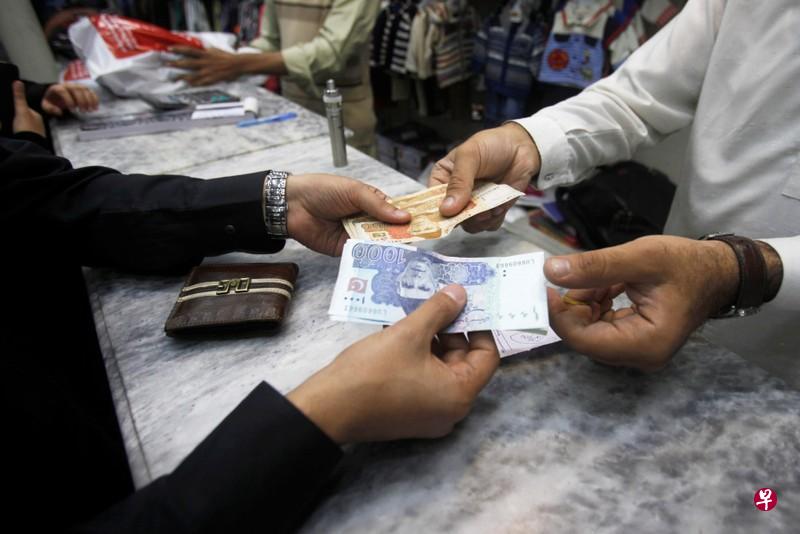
(631, 262)
(437, 312)
(466, 162)
(374, 203)
(20, 101)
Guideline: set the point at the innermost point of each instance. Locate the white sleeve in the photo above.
(788, 248)
(653, 94)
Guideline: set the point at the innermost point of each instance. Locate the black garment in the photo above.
(66, 462)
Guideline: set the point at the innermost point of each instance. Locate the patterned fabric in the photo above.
(509, 54)
(589, 39)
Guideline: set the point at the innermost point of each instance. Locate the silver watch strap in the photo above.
(275, 207)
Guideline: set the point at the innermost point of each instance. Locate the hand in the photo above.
(25, 119)
(402, 382)
(208, 66)
(318, 202)
(505, 155)
(674, 284)
(68, 96)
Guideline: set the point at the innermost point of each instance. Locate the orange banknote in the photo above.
(426, 221)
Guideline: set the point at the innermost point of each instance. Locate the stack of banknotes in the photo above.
(380, 283)
(426, 221)
(382, 278)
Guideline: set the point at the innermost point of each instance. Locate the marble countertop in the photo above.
(171, 152)
(555, 443)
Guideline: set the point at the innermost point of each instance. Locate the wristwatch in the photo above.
(274, 205)
(752, 275)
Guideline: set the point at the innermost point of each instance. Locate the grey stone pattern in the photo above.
(555, 443)
(172, 152)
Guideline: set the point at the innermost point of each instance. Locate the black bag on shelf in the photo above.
(618, 204)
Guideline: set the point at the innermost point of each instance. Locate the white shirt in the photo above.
(731, 70)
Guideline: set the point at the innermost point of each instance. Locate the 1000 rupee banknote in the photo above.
(381, 283)
(426, 221)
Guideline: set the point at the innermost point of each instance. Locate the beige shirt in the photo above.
(319, 40)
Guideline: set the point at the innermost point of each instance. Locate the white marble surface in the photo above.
(171, 152)
(555, 443)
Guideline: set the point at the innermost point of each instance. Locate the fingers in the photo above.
(483, 357)
(20, 101)
(372, 201)
(631, 262)
(466, 163)
(451, 347)
(82, 98)
(442, 170)
(51, 109)
(436, 313)
(190, 64)
(621, 337)
(188, 51)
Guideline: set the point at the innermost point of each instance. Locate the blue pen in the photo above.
(266, 120)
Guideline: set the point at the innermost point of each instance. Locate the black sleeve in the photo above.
(34, 92)
(149, 224)
(258, 471)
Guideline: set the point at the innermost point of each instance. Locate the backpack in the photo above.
(618, 204)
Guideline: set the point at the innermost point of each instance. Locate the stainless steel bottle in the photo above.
(333, 110)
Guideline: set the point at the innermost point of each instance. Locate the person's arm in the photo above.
(653, 94)
(785, 257)
(135, 222)
(347, 27)
(674, 285)
(259, 470)
(262, 467)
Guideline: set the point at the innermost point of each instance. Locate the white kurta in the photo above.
(731, 71)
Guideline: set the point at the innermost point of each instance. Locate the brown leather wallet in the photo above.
(233, 297)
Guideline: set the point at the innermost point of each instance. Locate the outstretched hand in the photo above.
(318, 203)
(402, 382)
(674, 284)
(505, 155)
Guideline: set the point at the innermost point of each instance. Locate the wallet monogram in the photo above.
(232, 297)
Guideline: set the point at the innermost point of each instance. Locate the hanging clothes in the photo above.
(589, 39)
(452, 24)
(508, 52)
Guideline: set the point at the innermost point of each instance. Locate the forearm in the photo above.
(783, 264)
(653, 94)
(261, 63)
(723, 289)
(259, 470)
(97, 216)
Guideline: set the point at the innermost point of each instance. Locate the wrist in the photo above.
(275, 205)
(723, 276)
(525, 149)
(774, 270)
(261, 63)
(319, 406)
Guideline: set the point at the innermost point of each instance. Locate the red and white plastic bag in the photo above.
(129, 56)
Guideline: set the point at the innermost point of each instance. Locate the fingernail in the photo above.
(457, 293)
(400, 213)
(558, 267)
(449, 202)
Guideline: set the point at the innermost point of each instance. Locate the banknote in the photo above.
(426, 221)
(510, 342)
(380, 283)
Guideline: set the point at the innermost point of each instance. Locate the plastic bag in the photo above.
(129, 56)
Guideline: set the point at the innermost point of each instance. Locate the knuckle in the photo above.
(593, 263)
